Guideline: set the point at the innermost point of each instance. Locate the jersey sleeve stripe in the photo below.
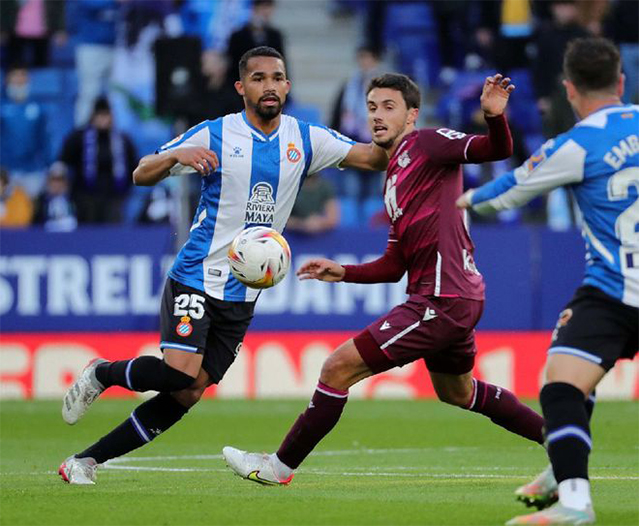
(467, 145)
(183, 138)
(308, 148)
(335, 134)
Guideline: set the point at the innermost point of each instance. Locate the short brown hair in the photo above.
(401, 83)
(592, 64)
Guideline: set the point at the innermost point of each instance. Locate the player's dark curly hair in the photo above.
(260, 51)
(592, 64)
(401, 83)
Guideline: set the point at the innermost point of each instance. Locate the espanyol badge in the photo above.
(184, 328)
(292, 153)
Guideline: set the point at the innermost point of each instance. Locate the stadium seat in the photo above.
(304, 112)
(371, 207)
(349, 214)
(47, 84)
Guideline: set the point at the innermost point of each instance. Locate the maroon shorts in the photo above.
(441, 331)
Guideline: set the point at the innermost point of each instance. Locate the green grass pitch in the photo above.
(387, 462)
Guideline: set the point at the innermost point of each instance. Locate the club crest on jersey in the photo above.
(539, 156)
(404, 159)
(173, 141)
(184, 328)
(260, 208)
(293, 154)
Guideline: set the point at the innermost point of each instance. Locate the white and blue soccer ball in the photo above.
(259, 257)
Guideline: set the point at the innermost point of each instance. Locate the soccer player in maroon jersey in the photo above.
(428, 239)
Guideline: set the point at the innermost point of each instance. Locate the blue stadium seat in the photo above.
(410, 29)
(304, 112)
(47, 84)
(53, 84)
(349, 215)
(59, 123)
(371, 207)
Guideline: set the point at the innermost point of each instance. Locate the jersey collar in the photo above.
(260, 133)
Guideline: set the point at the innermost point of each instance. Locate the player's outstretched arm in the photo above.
(155, 167)
(321, 269)
(366, 157)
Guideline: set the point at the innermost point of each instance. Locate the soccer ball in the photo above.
(259, 257)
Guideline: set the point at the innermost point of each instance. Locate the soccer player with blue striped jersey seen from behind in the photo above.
(598, 159)
(252, 165)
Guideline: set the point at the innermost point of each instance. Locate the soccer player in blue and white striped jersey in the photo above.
(598, 159)
(252, 165)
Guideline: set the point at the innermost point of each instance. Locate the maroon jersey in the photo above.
(423, 180)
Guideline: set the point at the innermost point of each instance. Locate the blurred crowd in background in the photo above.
(90, 86)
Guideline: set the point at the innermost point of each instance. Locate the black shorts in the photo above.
(192, 321)
(597, 328)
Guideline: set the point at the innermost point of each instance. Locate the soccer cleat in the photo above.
(556, 514)
(78, 470)
(253, 466)
(541, 492)
(82, 393)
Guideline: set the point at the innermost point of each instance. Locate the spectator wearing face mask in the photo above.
(100, 160)
(25, 148)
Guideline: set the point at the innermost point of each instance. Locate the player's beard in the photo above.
(387, 144)
(268, 113)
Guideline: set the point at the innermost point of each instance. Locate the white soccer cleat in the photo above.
(78, 470)
(82, 393)
(556, 514)
(541, 492)
(257, 467)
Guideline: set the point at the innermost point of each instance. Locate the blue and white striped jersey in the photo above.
(256, 183)
(599, 160)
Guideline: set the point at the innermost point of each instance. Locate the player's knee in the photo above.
(335, 373)
(458, 398)
(175, 380)
(189, 397)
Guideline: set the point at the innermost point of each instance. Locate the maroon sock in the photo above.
(312, 425)
(503, 408)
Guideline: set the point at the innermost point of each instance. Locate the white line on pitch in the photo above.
(366, 473)
(339, 452)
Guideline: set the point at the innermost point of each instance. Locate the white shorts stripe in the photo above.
(573, 431)
(575, 352)
(399, 335)
(178, 346)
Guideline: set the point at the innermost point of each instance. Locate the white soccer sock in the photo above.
(282, 471)
(575, 493)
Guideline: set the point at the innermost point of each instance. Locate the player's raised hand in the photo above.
(201, 159)
(321, 269)
(494, 96)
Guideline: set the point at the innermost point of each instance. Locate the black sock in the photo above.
(146, 422)
(590, 405)
(567, 430)
(146, 373)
